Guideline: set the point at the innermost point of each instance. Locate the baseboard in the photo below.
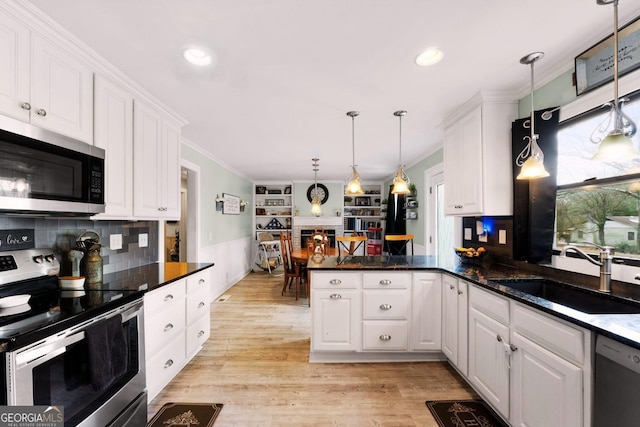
(374, 357)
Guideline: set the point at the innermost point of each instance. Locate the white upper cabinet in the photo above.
(43, 84)
(477, 157)
(114, 133)
(156, 171)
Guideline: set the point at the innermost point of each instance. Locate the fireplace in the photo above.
(309, 224)
(306, 234)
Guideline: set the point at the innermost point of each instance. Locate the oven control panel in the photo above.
(27, 264)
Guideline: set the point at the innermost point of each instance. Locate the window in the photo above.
(597, 202)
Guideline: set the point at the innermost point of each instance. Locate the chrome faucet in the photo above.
(606, 257)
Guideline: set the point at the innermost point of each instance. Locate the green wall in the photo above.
(558, 92)
(303, 205)
(216, 179)
(416, 176)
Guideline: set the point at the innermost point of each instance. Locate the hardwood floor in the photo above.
(256, 364)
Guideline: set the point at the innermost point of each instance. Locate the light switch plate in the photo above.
(502, 237)
(483, 237)
(467, 234)
(143, 240)
(115, 242)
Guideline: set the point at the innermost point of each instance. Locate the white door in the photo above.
(440, 228)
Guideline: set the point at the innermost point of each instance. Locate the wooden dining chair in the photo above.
(403, 240)
(292, 271)
(351, 243)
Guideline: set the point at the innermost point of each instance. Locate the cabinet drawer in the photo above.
(385, 280)
(197, 306)
(560, 338)
(391, 304)
(164, 365)
(385, 335)
(160, 299)
(197, 334)
(335, 280)
(198, 281)
(491, 304)
(163, 328)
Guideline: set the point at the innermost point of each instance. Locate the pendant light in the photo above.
(531, 157)
(353, 183)
(401, 180)
(315, 203)
(617, 144)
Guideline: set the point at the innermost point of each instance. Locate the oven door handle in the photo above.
(47, 350)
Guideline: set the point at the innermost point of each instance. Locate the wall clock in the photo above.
(323, 193)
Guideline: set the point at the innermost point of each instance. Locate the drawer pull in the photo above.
(335, 296)
(168, 327)
(335, 281)
(385, 282)
(41, 112)
(201, 281)
(385, 306)
(168, 363)
(25, 106)
(385, 337)
(201, 333)
(201, 304)
(169, 297)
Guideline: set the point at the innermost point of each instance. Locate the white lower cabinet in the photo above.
(176, 324)
(455, 314)
(426, 312)
(336, 320)
(534, 369)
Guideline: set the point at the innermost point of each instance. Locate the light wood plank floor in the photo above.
(256, 364)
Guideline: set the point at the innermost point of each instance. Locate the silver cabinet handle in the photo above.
(201, 281)
(385, 282)
(460, 292)
(499, 338)
(201, 333)
(169, 297)
(513, 347)
(385, 337)
(335, 296)
(168, 363)
(335, 281)
(41, 112)
(201, 304)
(168, 327)
(385, 306)
(25, 106)
(451, 287)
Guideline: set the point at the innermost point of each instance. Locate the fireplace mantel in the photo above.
(320, 221)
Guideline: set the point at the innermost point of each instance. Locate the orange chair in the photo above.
(405, 238)
(351, 243)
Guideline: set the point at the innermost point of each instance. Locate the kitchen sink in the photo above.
(585, 300)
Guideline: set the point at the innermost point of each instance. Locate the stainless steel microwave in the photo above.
(42, 172)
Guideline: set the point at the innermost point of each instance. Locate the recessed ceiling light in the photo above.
(197, 56)
(429, 57)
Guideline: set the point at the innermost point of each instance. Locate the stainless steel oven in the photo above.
(58, 370)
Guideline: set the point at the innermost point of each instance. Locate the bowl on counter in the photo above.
(471, 254)
(71, 282)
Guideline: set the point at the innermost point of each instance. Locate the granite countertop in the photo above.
(621, 327)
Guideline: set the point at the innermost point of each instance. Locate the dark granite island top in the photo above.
(621, 327)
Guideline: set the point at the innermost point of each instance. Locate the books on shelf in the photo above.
(359, 224)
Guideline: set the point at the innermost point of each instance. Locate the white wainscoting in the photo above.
(232, 262)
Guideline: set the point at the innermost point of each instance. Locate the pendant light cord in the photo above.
(533, 132)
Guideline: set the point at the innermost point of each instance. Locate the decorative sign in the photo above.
(13, 240)
(231, 204)
(594, 67)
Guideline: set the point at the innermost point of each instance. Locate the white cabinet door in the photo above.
(463, 326)
(14, 68)
(156, 169)
(427, 311)
(61, 91)
(114, 133)
(336, 320)
(450, 318)
(548, 388)
(488, 362)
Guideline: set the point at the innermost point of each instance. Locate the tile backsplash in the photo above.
(497, 251)
(60, 236)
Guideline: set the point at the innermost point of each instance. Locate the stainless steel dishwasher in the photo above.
(617, 384)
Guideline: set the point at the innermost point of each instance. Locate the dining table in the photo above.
(301, 256)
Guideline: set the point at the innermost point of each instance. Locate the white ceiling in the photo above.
(287, 71)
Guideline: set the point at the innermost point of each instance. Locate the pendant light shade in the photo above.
(617, 145)
(315, 203)
(531, 158)
(353, 182)
(401, 180)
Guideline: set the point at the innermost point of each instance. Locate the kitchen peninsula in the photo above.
(511, 346)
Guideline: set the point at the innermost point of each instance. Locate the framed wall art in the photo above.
(231, 204)
(594, 66)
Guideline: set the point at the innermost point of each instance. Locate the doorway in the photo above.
(182, 237)
(440, 235)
